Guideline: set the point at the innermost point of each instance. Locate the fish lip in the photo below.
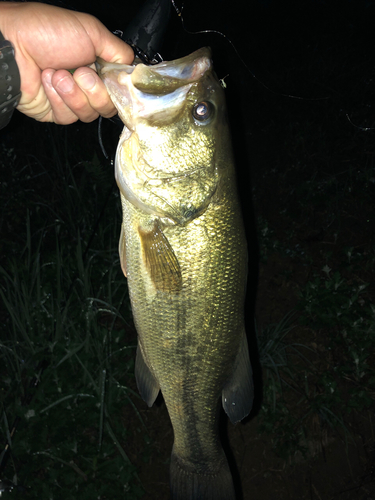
(174, 74)
(104, 67)
(120, 94)
(200, 63)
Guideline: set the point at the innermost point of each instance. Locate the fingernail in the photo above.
(87, 81)
(47, 77)
(65, 84)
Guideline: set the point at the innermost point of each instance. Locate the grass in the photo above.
(309, 383)
(332, 380)
(333, 303)
(65, 354)
(314, 203)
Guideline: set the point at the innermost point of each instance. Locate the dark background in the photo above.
(305, 66)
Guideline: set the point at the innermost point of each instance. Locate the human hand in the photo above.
(50, 40)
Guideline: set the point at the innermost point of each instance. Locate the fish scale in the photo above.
(183, 249)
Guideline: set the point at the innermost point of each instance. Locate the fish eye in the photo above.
(202, 111)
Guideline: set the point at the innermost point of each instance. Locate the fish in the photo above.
(183, 250)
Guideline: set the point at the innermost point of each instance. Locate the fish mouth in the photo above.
(144, 92)
(172, 74)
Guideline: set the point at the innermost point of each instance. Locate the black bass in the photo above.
(183, 250)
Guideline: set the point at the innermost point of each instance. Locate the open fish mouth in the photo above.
(152, 92)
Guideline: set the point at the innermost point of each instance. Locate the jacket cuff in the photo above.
(10, 82)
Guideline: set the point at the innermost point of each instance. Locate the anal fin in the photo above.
(238, 393)
(146, 382)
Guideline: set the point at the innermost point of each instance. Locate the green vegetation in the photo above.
(66, 356)
(314, 188)
(324, 382)
(318, 362)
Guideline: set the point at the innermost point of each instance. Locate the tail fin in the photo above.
(189, 484)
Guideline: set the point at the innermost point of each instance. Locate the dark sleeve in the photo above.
(10, 82)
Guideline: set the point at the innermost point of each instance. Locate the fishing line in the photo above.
(101, 140)
(215, 32)
(141, 54)
(138, 52)
(363, 129)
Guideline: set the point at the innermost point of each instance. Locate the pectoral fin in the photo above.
(121, 251)
(238, 393)
(146, 382)
(160, 260)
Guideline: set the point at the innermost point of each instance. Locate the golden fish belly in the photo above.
(190, 338)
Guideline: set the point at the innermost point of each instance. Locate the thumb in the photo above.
(107, 45)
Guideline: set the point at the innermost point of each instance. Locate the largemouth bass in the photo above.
(183, 250)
